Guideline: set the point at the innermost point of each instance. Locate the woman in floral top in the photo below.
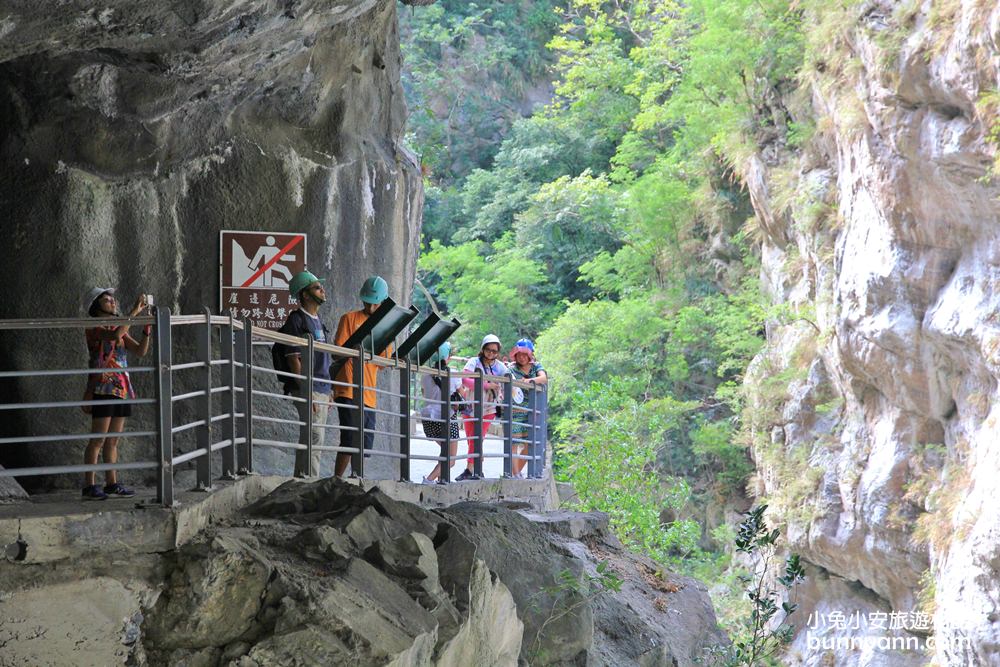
(523, 367)
(108, 347)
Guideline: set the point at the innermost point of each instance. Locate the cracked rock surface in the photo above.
(326, 574)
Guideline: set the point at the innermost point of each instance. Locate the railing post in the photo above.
(404, 421)
(228, 373)
(306, 435)
(164, 409)
(358, 460)
(445, 475)
(477, 463)
(508, 429)
(533, 434)
(203, 411)
(543, 430)
(246, 459)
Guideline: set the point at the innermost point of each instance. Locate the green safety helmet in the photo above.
(300, 281)
(375, 290)
(444, 351)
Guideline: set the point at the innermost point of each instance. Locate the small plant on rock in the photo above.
(570, 593)
(759, 639)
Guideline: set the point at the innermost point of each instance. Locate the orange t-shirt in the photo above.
(349, 323)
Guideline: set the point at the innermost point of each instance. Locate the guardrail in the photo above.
(235, 407)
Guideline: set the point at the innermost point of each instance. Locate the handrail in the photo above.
(229, 409)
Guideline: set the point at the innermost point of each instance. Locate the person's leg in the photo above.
(321, 412)
(454, 442)
(300, 454)
(94, 445)
(470, 432)
(433, 429)
(369, 430)
(117, 425)
(346, 418)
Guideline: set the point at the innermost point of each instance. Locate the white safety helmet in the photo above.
(90, 297)
(490, 338)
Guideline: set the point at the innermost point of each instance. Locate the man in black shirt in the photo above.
(308, 289)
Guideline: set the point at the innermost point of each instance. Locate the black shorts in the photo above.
(124, 410)
(434, 428)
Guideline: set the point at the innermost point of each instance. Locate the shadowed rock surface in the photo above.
(327, 574)
(133, 132)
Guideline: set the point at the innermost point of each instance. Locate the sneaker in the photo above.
(118, 489)
(519, 475)
(466, 474)
(428, 481)
(93, 492)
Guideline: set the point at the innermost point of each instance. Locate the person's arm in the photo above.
(540, 379)
(140, 347)
(119, 332)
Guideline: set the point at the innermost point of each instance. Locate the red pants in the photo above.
(469, 423)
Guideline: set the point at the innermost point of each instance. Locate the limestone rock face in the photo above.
(881, 456)
(325, 573)
(133, 132)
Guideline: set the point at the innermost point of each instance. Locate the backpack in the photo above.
(279, 352)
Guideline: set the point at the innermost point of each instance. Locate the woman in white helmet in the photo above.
(488, 361)
(109, 347)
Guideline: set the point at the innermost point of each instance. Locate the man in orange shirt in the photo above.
(373, 293)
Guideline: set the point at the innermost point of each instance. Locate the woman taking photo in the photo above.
(109, 347)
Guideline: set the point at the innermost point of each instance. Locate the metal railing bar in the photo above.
(70, 469)
(78, 436)
(222, 444)
(279, 444)
(294, 399)
(73, 322)
(338, 427)
(386, 392)
(265, 369)
(277, 420)
(385, 454)
(187, 427)
(219, 390)
(186, 365)
(383, 412)
(218, 418)
(184, 397)
(388, 433)
(77, 404)
(336, 448)
(71, 371)
(219, 362)
(187, 456)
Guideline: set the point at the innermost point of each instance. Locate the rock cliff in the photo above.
(326, 574)
(132, 132)
(874, 407)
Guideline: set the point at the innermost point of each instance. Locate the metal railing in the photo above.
(228, 409)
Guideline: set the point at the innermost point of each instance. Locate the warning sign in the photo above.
(254, 271)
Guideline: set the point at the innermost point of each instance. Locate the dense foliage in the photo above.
(609, 224)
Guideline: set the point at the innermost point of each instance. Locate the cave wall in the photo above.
(131, 133)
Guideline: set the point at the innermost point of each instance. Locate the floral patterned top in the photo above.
(108, 354)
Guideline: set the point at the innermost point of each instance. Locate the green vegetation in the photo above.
(611, 226)
(758, 639)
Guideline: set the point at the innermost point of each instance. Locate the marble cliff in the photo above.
(875, 404)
